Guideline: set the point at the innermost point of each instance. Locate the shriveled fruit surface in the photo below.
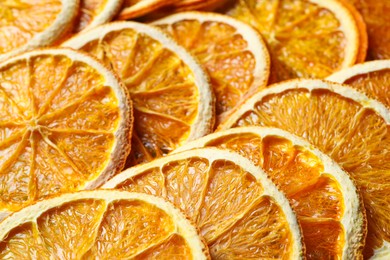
(27, 24)
(172, 97)
(237, 209)
(65, 125)
(182, 5)
(232, 52)
(136, 8)
(372, 78)
(306, 38)
(100, 225)
(325, 199)
(346, 125)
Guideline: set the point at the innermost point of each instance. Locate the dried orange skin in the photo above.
(136, 8)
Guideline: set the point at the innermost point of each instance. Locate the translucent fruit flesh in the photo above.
(88, 10)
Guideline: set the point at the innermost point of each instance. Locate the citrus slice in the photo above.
(100, 225)
(27, 24)
(326, 202)
(136, 8)
(237, 209)
(231, 51)
(172, 97)
(65, 125)
(209, 5)
(344, 124)
(306, 38)
(372, 77)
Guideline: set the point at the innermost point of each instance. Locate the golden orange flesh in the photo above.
(135, 8)
(88, 10)
(57, 127)
(21, 20)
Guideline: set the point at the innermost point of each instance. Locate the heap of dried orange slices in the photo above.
(196, 129)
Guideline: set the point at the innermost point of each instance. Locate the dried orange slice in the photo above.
(372, 77)
(65, 125)
(172, 97)
(100, 225)
(328, 206)
(25, 25)
(306, 38)
(237, 209)
(209, 5)
(136, 8)
(344, 124)
(231, 51)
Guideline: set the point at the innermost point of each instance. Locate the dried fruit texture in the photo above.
(63, 132)
(322, 195)
(306, 38)
(350, 128)
(232, 53)
(172, 98)
(238, 211)
(136, 8)
(100, 225)
(208, 5)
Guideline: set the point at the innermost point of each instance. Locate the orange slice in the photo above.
(237, 209)
(209, 5)
(65, 125)
(232, 52)
(344, 124)
(328, 206)
(172, 97)
(100, 225)
(25, 25)
(372, 78)
(136, 8)
(306, 38)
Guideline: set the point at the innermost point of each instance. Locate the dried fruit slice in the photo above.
(231, 51)
(65, 125)
(325, 199)
(372, 78)
(209, 5)
(172, 97)
(344, 124)
(100, 225)
(136, 8)
(238, 210)
(306, 38)
(25, 25)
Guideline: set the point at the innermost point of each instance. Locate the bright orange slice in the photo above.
(100, 225)
(232, 52)
(328, 206)
(237, 209)
(306, 38)
(173, 100)
(27, 24)
(65, 125)
(136, 8)
(346, 125)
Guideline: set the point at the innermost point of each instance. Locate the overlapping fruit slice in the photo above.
(372, 78)
(232, 52)
(27, 24)
(237, 209)
(65, 125)
(136, 8)
(172, 97)
(306, 38)
(100, 225)
(325, 199)
(346, 125)
(183, 5)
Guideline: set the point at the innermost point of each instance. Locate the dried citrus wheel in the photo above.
(372, 77)
(65, 125)
(232, 52)
(306, 38)
(323, 196)
(346, 125)
(136, 8)
(100, 225)
(172, 97)
(237, 209)
(209, 5)
(27, 24)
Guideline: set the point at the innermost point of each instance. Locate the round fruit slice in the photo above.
(172, 97)
(100, 225)
(209, 5)
(25, 25)
(136, 8)
(323, 196)
(344, 124)
(65, 125)
(231, 51)
(372, 77)
(237, 209)
(306, 38)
